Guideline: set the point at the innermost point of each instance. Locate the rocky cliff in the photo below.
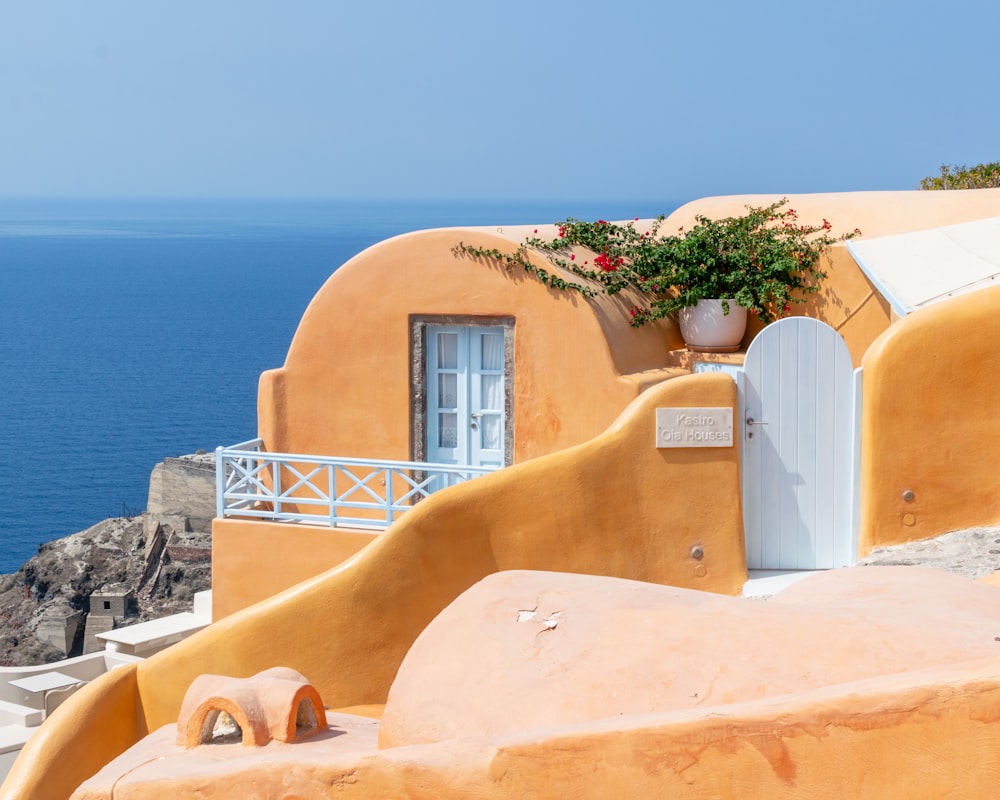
(139, 568)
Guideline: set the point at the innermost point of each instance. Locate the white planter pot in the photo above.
(707, 329)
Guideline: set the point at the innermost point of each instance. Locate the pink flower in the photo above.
(606, 264)
(536, 230)
(572, 257)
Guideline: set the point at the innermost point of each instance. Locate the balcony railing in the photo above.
(350, 492)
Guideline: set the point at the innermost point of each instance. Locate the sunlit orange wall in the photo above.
(615, 505)
(847, 301)
(930, 415)
(252, 561)
(621, 513)
(887, 740)
(57, 758)
(345, 386)
(931, 423)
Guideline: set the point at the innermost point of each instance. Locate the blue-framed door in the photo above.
(466, 418)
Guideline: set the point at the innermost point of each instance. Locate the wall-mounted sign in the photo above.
(694, 427)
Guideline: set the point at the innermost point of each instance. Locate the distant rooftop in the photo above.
(914, 270)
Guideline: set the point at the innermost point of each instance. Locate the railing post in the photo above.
(389, 496)
(220, 483)
(276, 472)
(332, 494)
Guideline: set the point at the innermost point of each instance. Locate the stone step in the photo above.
(19, 716)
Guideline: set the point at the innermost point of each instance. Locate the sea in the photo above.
(134, 330)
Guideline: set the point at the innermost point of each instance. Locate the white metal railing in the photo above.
(355, 492)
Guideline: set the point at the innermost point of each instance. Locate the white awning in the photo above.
(913, 270)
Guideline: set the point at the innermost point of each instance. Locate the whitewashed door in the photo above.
(466, 418)
(798, 447)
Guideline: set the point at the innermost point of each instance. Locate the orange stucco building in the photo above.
(588, 492)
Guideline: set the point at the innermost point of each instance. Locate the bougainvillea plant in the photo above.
(764, 260)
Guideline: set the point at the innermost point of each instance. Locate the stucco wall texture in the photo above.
(611, 505)
(847, 301)
(344, 388)
(863, 683)
(931, 423)
(615, 506)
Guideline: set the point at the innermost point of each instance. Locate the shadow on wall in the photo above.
(614, 506)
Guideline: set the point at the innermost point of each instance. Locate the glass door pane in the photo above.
(447, 395)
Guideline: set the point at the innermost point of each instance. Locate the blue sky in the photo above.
(449, 100)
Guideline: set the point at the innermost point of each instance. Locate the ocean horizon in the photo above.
(131, 331)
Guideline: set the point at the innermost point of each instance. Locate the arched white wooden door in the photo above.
(798, 447)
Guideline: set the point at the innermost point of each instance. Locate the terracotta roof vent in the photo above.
(277, 703)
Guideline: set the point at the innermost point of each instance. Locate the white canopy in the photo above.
(913, 270)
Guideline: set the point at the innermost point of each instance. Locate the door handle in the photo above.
(476, 414)
(750, 423)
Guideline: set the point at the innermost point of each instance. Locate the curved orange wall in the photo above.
(930, 407)
(112, 708)
(345, 386)
(615, 506)
(766, 701)
(931, 423)
(618, 507)
(847, 301)
(918, 737)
